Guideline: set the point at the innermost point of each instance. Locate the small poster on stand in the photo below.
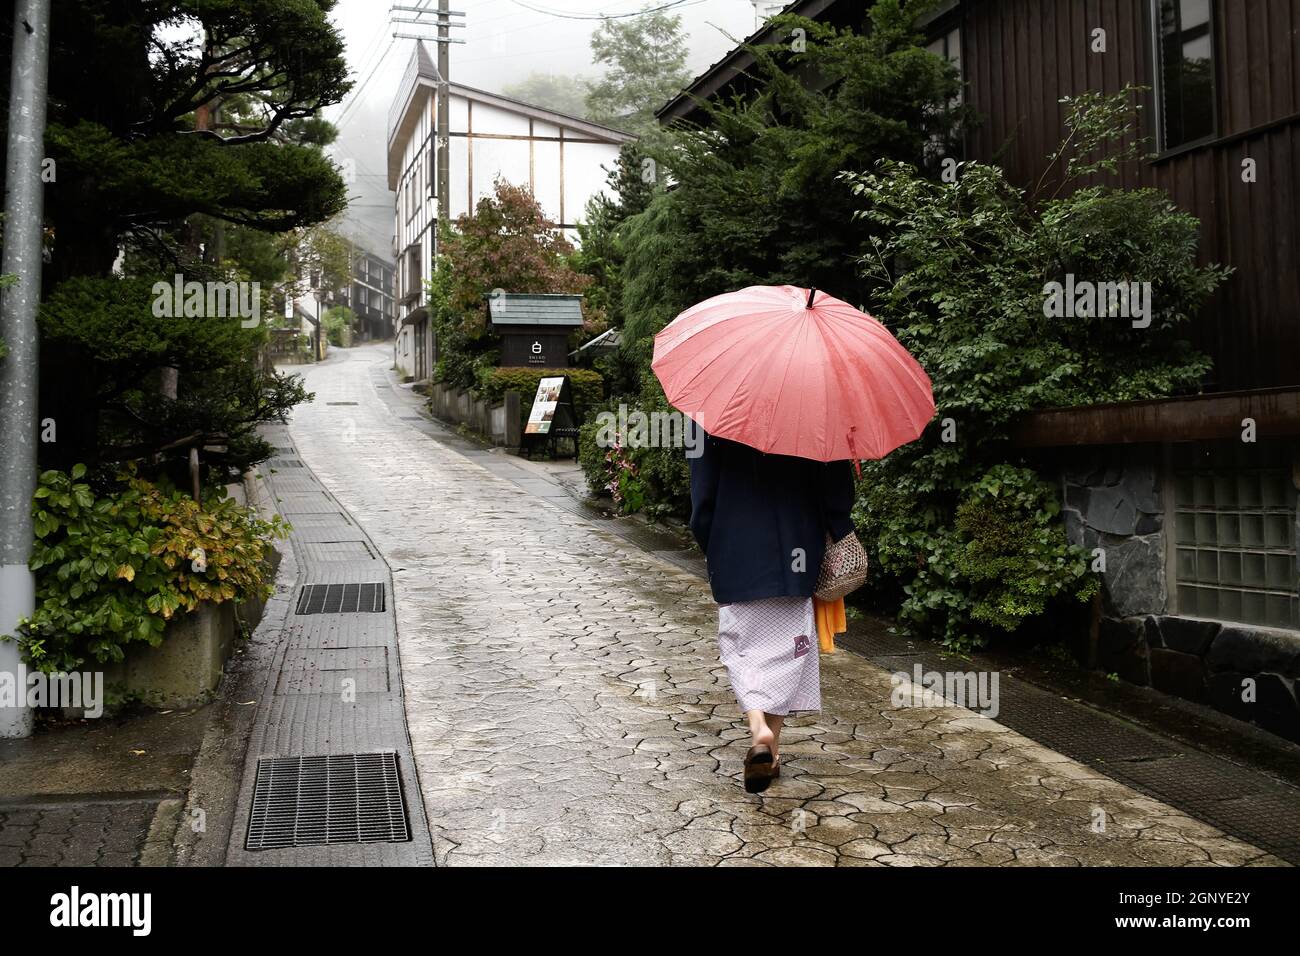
(547, 400)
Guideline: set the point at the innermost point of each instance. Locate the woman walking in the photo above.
(792, 386)
(762, 522)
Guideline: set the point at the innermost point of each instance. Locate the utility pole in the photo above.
(443, 159)
(443, 20)
(24, 216)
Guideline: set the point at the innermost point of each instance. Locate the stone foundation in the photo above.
(1113, 501)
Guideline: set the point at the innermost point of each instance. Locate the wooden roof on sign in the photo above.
(521, 308)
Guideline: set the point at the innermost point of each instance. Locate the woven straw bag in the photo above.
(844, 568)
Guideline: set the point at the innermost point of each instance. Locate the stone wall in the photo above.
(459, 407)
(1113, 502)
(1252, 673)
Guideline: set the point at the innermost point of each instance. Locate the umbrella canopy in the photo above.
(765, 368)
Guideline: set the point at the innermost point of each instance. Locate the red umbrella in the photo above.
(793, 371)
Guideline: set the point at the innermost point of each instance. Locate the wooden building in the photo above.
(1198, 523)
(1018, 58)
(562, 159)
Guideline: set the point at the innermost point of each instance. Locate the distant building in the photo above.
(562, 158)
(370, 295)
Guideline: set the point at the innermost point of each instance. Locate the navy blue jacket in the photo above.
(753, 513)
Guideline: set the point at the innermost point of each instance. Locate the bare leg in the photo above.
(775, 722)
(759, 731)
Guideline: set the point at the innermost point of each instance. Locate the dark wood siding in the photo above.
(1022, 56)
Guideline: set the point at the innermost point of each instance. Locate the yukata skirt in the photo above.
(770, 649)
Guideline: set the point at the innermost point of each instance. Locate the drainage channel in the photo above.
(1237, 800)
(329, 778)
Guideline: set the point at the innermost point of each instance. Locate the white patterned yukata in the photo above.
(770, 650)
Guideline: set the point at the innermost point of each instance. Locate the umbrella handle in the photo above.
(811, 293)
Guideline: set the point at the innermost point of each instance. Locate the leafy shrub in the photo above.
(653, 480)
(113, 567)
(956, 517)
(1001, 562)
(338, 323)
(507, 243)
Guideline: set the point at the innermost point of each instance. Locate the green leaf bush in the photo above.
(652, 480)
(113, 565)
(508, 244)
(958, 519)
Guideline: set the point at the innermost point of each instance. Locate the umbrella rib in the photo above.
(740, 382)
(785, 374)
(873, 399)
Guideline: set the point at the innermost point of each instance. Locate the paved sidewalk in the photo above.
(566, 704)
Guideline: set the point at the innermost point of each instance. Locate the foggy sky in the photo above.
(503, 44)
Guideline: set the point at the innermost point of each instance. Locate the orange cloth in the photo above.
(830, 621)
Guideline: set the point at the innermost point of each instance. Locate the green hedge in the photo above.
(588, 386)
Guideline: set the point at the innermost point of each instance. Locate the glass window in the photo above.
(948, 46)
(1185, 80)
(1235, 533)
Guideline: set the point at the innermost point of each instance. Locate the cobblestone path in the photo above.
(566, 703)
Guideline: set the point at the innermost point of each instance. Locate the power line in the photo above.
(372, 47)
(503, 56)
(356, 93)
(515, 14)
(604, 16)
(366, 61)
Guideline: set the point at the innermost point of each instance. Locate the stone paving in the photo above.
(566, 704)
(80, 834)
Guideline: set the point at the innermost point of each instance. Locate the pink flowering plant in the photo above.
(621, 478)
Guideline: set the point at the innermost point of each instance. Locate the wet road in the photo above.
(566, 704)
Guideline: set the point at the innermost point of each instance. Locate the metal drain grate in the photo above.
(336, 550)
(319, 801)
(340, 599)
(309, 519)
(340, 403)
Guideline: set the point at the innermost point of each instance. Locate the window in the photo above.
(1235, 527)
(1185, 93)
(948, 46)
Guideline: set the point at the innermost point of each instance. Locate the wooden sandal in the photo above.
(758, 768)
